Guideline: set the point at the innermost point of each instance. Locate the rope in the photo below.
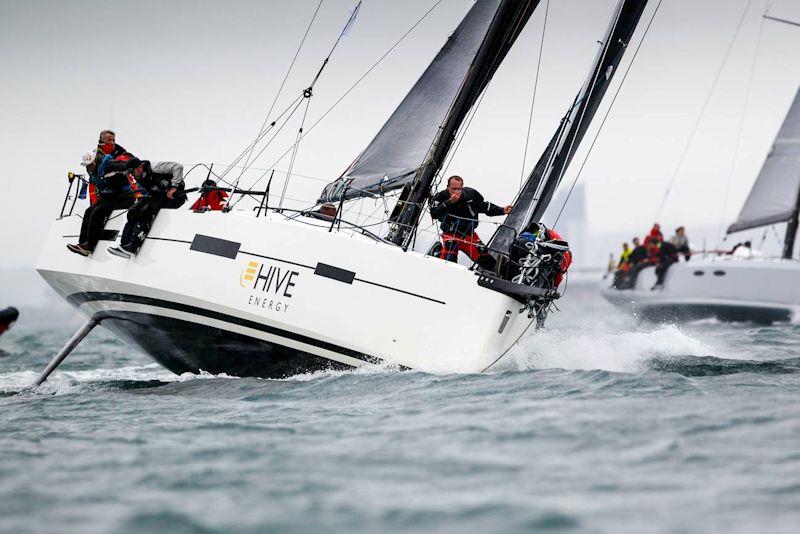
(533, 98)
(352, 87)
(702, 112)
(608, 111)
(734, 159)
(280, 89)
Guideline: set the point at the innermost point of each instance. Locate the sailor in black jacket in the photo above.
(457, 209)
(161, 184)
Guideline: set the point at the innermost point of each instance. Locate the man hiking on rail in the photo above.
(113, 190)
(457, 209)
(162, 186)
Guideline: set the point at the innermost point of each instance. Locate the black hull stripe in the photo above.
(404, 292)
(76, 299)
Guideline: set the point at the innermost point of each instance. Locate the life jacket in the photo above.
(104, 185)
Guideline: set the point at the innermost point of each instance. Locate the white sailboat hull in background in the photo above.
(325, 299)
(734, 288)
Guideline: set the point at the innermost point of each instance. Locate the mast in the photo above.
(508, 22)
(791, 231)
(538, 190)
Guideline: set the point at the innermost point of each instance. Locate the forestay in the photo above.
(401, 146)
(774, 197)
(538, 190)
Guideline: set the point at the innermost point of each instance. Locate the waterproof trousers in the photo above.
(95, 217)
(470, 245)
(141, 216)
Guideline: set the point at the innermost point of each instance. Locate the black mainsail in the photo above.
(538, 190)
(775, 196)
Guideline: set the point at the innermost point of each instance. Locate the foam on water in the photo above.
(590, 349)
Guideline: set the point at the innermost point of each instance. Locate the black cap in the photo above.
(133, 163)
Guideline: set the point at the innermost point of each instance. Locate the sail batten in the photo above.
(774, 196)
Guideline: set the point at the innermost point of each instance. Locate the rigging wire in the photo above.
(294, 153)
(690, 140)
(352, 87)
(533, 98)
(257, 140)
(608, 111)
(734, 158)
(297, 104)
(280, 89)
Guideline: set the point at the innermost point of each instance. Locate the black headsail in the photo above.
(410, 148)
(538, 190)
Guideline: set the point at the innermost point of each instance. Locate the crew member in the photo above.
(681, 242)
(457, 209)
(667, 255)
(113, 191)
(622, 267)
(625, 256)
(638, 260)
(162, 186)
(107, 144)
(211, 198)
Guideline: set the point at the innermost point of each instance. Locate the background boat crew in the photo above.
(621, 267)
(161, 184)
(667, 255)
(113, 190)
(457, 209)
(681, 242)
(210, 198)
(638, 259)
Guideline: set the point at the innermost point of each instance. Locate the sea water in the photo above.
(597, 423)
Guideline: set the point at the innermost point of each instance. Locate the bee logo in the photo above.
(248, 274)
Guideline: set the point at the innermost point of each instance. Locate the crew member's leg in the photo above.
(449, 248)
(661, 271)
(97, 221)
(87, 215)
(144, 220)
(134, 213)
(473, 247)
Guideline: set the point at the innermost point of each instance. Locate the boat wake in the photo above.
(596, 348)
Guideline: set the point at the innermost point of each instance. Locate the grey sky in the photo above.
(191, 81)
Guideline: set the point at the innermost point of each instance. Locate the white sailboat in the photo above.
(274, 292)
(744, 285)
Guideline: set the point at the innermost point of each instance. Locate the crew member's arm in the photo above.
(175, 169)
(492, 210)
(440, 204)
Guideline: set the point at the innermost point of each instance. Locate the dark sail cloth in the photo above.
(458, 221)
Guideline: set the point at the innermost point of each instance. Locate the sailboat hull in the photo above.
(232, 293)
(728, 288)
